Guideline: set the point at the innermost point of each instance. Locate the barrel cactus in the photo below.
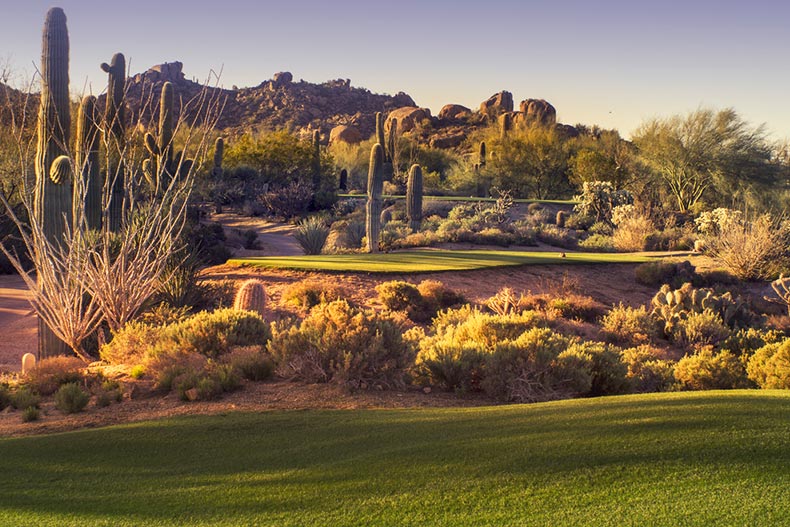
(251, 296)
(414, 198)
(374, 204)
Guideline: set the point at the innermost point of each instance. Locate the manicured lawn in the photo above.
(465, 199)
(715, 458)
(433, 260)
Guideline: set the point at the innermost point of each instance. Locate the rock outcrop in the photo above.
(345, 134)
(408, 118)
(497, 104)
(538, 111)
(453, 112)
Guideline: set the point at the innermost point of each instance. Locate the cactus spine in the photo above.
(414, 198)
(374, 204)
(87, 162)
(482, 154)
(114, 138)
(52, 206)
(343, 185)
(251, 296)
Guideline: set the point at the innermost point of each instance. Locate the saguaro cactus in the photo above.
(414, 197)
(316, 160)
(163, 165)
(392, 142)
(87, 161)
(482, 154)
(380, 132)
(373, 207)
(219, 151)
(506, 124)
(52, 206)
(115, 133)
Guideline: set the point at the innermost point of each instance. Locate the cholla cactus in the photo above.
(672, 305)
(251, 296)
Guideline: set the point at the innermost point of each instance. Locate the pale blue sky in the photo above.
(611, 63)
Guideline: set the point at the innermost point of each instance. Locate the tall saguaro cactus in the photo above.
(482, 154)
(392, 142)
(115, 136)
(414, 197)
(219, 151)
(506, 124)
(380, 132)
(164, 165)
(52, 206)
(374, 204)
(87, 161)
(316, 160)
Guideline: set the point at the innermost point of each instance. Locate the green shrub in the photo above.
(341, 344)
(168, 369)
(770, 366)
(706, 370)
(131, 343)
(529, 368)
(52, 372)
(109, 392)
(5, 396)
(625, 324)
(573, 306)
(225, 376)
(163, 314)
(659, 272)
(309, 293)
(70, 398)
(452, 366)
(700, 329)
(350, 235)
(598, 243)
(399, 296)
(556, 236)
(213, 333)
(608, 371)
(311, 234)
(31, 413)
(251, 362)
(438, 296)
(23, 398)
(647, 371)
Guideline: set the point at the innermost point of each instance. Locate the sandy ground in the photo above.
(18, 323)
(274, 239)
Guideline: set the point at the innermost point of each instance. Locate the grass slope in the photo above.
(432, 260)
(711, 458)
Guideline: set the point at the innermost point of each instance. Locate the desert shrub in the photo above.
(529, 368)
(647, 371)
(659, 272)
(218, 293)
(171, 369)
(182, 287)
(351, 234)
(625, 324)
(598, 200)
(309, 293)
(251, 362)
(670, 306)
(107, 393)
(213, 333)
(452, 366)
(249, 239)
(749, 248)
(706, 370)
(225, 375)
(163, 314)
(341, 344)
(769, 367)
(289, 200)
(598, 243)
(70, 398)
(5, 396)
(392, 234)
(397, 295)
(573, 307)
(311, 234)
(52, 372)
(31, 413)
(607, 369)
(23, 398)
(438, 296)
(633, 228)
(505, 302)
(700, 329)
(434, 207)
(130, 344)
(556, 236)
(746, 341)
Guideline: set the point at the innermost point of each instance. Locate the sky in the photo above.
(608, 62)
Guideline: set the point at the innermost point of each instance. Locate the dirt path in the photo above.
(274, 239)
(18, 323)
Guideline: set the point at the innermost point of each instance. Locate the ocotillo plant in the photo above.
(114, 140)
(414, 197)
(373, 207)
(52, 205)
(343, 184)
(482, 154)
(251, 296)
(87, 162)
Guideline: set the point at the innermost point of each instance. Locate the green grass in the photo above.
(710, 458)
(432, 260)
(465, 199)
